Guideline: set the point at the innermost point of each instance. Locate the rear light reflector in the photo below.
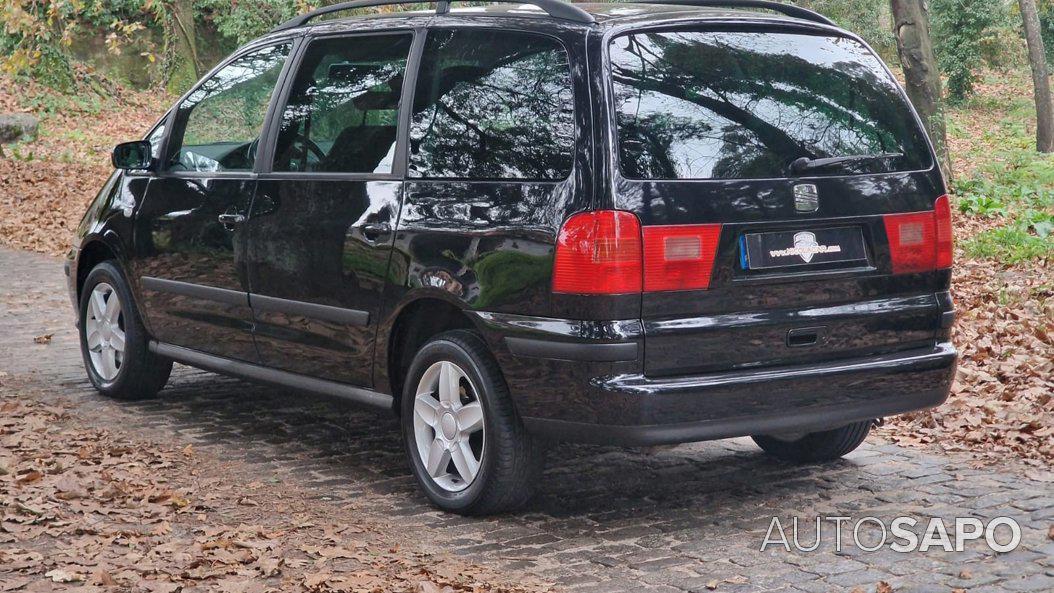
(598, 253)
(920, 241)
(679, 257)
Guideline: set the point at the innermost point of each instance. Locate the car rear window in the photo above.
(745, 105)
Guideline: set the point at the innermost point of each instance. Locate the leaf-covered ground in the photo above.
(88, 510)
(1001, 403)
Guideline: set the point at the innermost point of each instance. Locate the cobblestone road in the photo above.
(690, 518)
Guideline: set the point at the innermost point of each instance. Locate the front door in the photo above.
(190, 238)
(320, 230)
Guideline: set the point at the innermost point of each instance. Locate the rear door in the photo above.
(757, 250)
(190, 243)
(320, 231)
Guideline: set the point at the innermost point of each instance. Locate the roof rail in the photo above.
(787, 9)
(555, 8)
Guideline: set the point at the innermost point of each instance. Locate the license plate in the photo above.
(787, 249)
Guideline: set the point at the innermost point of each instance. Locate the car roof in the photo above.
(607, 15)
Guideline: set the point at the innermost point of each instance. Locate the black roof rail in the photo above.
(787, 9)
(555, 8)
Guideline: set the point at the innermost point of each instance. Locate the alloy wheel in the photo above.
(449, 430)
(104, 331)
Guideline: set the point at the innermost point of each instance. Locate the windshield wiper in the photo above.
(805, 164)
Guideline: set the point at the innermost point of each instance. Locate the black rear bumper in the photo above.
(804, 398)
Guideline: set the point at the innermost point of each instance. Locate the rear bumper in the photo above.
(639, 411)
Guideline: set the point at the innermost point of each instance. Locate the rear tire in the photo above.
(817, 446)
(467, 447)
(114, 343)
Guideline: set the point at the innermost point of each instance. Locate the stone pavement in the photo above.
(690, 518)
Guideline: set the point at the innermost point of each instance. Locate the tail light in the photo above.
(598, 253)
(921, 241)
(679, 257)
(606, 252)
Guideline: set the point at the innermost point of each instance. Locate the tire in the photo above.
(509, 460)
(135, 373)
(817, 446)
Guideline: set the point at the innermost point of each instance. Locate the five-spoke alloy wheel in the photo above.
(468, 449)
(448, 426)
(104, 329)
(114, 343)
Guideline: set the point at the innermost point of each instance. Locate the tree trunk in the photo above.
(1040, 77)
(911, 26)
(186, 65)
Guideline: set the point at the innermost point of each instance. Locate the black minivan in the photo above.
(628, 224)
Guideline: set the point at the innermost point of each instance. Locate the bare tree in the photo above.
(911, 26)
(1040, 77)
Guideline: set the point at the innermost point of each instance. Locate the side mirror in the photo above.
(132, 155)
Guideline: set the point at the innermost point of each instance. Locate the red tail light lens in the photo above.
(679, 257)
(921, 241)
(942, 211)
(598, 253)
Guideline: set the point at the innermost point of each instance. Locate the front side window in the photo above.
(746, 105)
(218, 125)
(156, 137)
(492, 105)
(343, 111)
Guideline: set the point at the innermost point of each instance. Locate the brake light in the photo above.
(921, 241)
(679, 257)
(606, 252)
(598, 253)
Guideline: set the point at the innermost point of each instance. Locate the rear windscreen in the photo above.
(745, 105)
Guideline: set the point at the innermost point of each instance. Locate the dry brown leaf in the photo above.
(29, 477)
(44, 339)
(59, 575)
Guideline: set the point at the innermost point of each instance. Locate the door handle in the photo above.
(375, 231)
(229, 220)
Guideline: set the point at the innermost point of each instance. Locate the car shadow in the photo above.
(341, 450)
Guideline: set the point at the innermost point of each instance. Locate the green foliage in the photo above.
(960, 30)
(1017, 188)
(35, 39)
(245, 21)
(1046, 24)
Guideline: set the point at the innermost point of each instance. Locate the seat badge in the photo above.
(806, 198)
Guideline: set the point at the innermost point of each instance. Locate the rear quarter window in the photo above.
(745, 105)
(493, 105)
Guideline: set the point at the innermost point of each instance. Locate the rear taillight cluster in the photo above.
(921, 241)
(606, 252)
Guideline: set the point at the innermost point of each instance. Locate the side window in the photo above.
(156, 137)
(493, 105)
(217, 127)
(343, 110)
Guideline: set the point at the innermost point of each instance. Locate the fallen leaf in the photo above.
(44, 339)
(29, 477)
(64, 576)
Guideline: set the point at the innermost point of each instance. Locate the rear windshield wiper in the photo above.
(805, 164)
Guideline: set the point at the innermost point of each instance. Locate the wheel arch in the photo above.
(93, 252)
(412, 324)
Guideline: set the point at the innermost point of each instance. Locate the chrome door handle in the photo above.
(375, 231)
(229, 220)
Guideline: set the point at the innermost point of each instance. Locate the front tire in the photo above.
(114, 343)
(467, 447)
(816, 446)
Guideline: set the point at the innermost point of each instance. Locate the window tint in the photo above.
(492, 105)
(218, 125)
(727, 105)
(342, 113)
